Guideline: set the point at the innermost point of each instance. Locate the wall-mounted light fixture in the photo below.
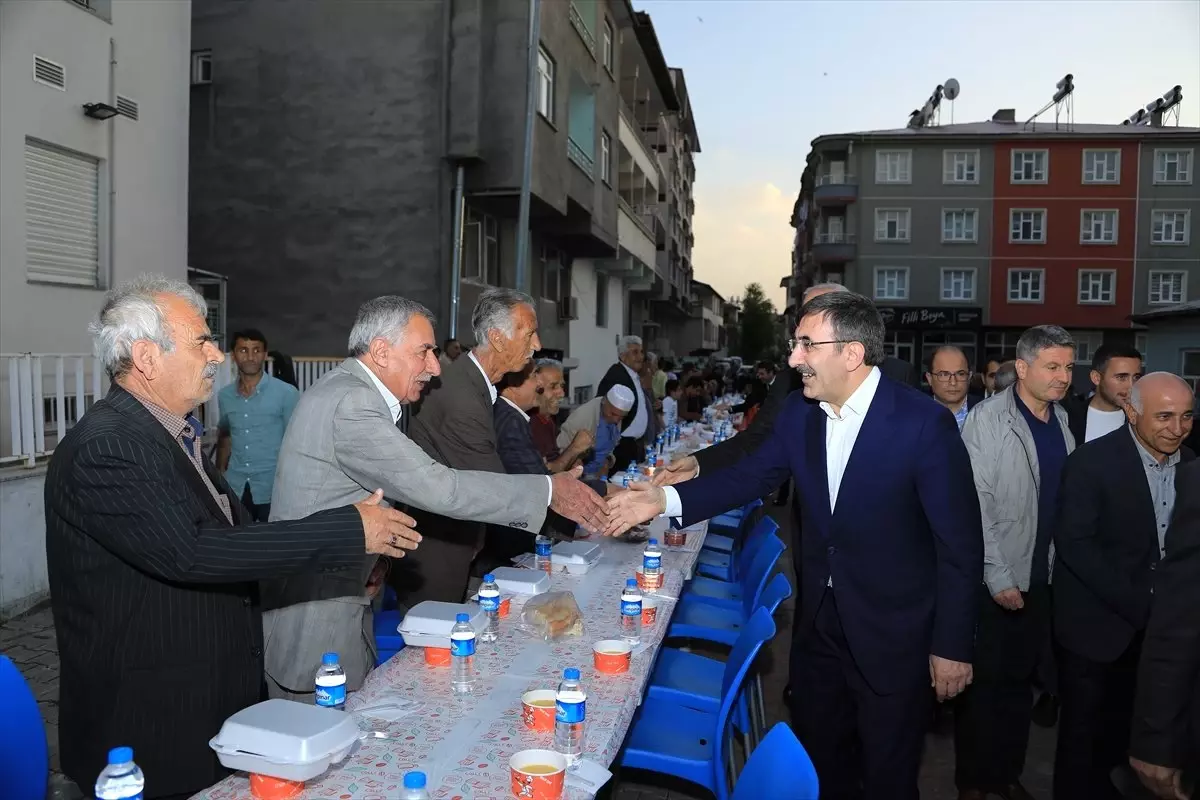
(100, 111)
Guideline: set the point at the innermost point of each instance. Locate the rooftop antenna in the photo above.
(927, 114)
(951, 89)
(1063, 102)
(1154, 112)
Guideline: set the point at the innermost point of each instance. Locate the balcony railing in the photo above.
(834, 238)
(837, 180)
(578, 156)
(636, 217)
(582, 29)
(47, 393)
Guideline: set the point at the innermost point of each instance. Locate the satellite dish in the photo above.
(951, 89)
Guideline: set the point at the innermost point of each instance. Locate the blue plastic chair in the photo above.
(693, 744)
(388, 640)
(715, 540)
(693, 618)
(733, 595)
(778, 768)
(23, 737)
(731, 566)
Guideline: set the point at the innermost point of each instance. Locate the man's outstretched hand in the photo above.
(577, 502)
(677, 472)
(641, 503)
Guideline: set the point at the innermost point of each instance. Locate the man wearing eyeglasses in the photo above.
(949, 378)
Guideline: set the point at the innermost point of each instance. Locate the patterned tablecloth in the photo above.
(463, 744)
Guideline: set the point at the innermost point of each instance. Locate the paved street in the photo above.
(30, 642)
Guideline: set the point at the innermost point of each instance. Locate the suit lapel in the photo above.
(872, 440)
(1133, 473)
(815, 455)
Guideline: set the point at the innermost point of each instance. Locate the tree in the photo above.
(759, 329)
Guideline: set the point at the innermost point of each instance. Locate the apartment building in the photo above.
(705, 333)
(967, 234)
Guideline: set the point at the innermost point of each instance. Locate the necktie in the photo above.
(402, 422)
(196, 429)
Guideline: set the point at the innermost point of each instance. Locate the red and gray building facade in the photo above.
(968, 234)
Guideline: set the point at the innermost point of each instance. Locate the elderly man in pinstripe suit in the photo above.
(153, 565)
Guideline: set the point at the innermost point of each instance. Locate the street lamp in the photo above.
(100, 111)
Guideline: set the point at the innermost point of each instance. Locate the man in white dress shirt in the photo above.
(627, 372)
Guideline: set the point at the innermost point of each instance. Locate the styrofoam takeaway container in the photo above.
(428, 624)
(285, 739)
(577, 557)
(513, 580)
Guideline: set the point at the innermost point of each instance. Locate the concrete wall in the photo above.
(1167, 340)
(1174, 197)
(23, 580)
(148, 167)
(595, 346)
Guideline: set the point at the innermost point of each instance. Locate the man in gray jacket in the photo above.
(1018, 440)
(346, 435)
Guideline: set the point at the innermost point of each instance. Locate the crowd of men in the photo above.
(185, 590)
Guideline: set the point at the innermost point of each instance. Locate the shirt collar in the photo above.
(858, 403)
(1148, 458)
(491, 388)
(520, 410)
(392, 403)
(637, 381)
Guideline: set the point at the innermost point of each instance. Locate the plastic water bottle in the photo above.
(631, 612)
(652, 565)
(331, 683)
(489, 601)
(121, 779)
(542, 547)
(570, 715)
(414, 787)
(462, 655)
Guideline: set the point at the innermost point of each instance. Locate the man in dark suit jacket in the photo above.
(1165, 741)
(639, 421)
(1115, 503)
(152, 563)
(888, 586)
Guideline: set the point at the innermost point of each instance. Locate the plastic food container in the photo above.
(428, 624)
(577, 557)
(512, 580)
(285, 739)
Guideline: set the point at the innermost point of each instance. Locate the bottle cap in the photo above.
(122, 755)
(654, 542)
(631, 582)
(462, 618)
(329, 659)
(414, 780)
(571, 673)
(488, 578)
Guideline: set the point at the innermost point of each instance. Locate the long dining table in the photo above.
(463, 743)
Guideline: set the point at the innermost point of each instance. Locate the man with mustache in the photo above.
(346, 433)
(1019, 441)
(543, 420)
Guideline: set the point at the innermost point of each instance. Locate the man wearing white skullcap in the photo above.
(601, 415)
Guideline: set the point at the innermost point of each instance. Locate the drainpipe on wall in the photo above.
(111, 277)
(456, 260)
(527, 164)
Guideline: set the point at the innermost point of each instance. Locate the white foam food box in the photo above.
(512, 580)
(285, 739)
(577, 557)
(428, 624)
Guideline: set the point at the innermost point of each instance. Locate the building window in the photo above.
(545, 88)
(1169, 227)
(893, 166)
(606, 45)
(958, 285)
(891, 283)
(1097, 286)
(899, 344)
(62, 207)
(481, 248)
(1189, 363)
(1098, 227)
(605, 157)
(554, 277)
(1029, 166)
(1086, 345)
(891, 224)
(601, 300)
(201, 67)
(960, 166)
(1001, 345)
(1101, 166)
(960, 225)
(1028, 225)
(1139, 343)
(932, 340)
(1025, 285)
(1172, 166)
(1167, 287)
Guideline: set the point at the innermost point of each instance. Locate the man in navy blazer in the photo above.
(891, 561)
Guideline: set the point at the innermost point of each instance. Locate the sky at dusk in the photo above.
(766, 77)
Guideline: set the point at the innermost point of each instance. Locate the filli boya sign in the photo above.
(924, 317)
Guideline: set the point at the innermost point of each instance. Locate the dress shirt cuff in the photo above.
(549, 490)
(674, 506)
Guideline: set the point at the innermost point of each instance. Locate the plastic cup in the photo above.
(537, 710)
(539, 784)
(437, 656)
(649, 610)
(648, 584)
(264, 787)
(505, 607)
(675, 538)
(612, 656)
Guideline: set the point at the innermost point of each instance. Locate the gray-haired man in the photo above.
(627, 372)
(344, 436)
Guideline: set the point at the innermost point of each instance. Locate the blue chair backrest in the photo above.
(753, 540)
(23, 737)
(758, 631)
(754, 578)
(778, 768)
(778, 590)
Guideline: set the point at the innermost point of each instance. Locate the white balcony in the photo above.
(631, 140)
(634, 236)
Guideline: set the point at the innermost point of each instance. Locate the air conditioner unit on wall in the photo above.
(568, 308)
